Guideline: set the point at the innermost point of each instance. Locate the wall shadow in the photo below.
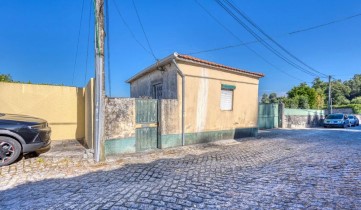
(130, 186)
(80, 114)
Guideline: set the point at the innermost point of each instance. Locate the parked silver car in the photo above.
(336, 120)
(354, 121)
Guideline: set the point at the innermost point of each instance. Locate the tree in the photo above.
(356, 100)
(5, 78)
(273, 98)
(320, 98)
(321, 88)
(340, 93)
(303, 102)
(265, 99)
(318, 84)
(290, 103)
(355, 86)
(305, 95)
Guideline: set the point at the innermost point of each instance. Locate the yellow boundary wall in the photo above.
(65, 108)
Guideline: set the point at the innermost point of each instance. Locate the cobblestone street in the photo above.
(306, 168)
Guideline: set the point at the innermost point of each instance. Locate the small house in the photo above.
(212, 101)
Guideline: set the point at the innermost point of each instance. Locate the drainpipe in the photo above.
(183, 98)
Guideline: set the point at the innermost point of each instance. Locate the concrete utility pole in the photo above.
(329, 96)
(99, 81)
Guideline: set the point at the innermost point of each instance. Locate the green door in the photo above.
(146, 133)
(268, 116)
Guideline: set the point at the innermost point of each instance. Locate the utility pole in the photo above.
(99, 81)
(329, 96)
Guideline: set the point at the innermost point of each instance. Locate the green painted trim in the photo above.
(129, 145)
(303, 112)
(174, 140)
(170, 140)
(228, 87)
(119, 146)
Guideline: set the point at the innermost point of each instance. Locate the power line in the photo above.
(77, 45)
(145, 34)
(107, 36)
(325, 24)
(220, 48)
(87, 48)
(249, 48)
(270, 38)
(282, 35)
(129, 29)
(262, 41)
(268, 46)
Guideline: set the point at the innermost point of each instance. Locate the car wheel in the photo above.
(10, 150)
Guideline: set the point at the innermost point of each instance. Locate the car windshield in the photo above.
(350, 117)
(335, 116)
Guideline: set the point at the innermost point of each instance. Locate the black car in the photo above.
(22, 134)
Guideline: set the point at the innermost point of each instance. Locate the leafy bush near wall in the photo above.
(7, 78)
(355, 107)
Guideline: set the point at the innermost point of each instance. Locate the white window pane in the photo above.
(226, 99)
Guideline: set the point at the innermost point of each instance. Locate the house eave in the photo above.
(178, 57)
(248, 74)
(152, 68)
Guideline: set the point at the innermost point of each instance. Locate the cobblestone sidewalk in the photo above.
(311, 168)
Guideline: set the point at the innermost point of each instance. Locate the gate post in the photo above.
(159, 133)
(281, 115)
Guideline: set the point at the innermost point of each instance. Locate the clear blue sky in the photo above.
(38, 38)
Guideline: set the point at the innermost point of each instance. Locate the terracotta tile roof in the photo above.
(190, 58)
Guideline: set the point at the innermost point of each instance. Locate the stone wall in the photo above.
(170, 125)
(294, 121)
(342, 110)
(302, 118)
(170, 117)
(306, 118)
(119, 118)
(120, 125)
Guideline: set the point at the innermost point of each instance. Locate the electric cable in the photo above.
(145, 34)
(249, 48)
(87, 48)
(107, 36)
(325, 24)
(270, 38)
(282, 35)
(263, 42)
(129, 29)
(77, 45)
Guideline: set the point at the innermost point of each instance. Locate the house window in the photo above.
(158, 91)
(227, 97)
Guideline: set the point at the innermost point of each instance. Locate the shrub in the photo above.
(356, 100)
